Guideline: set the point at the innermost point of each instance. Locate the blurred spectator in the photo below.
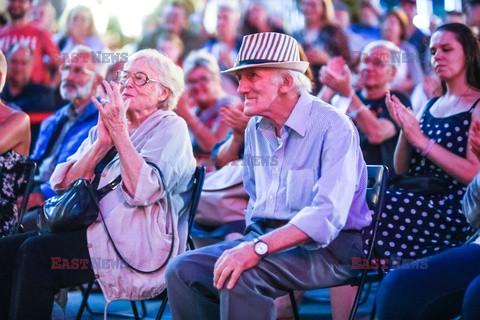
(342, 15)
(414, 35)
(455, 16)
(172, 46)
(369, 26)
(79, 28)
(226, 43)
(202, 78)
(366, 107)
(20, 92)
(257, 20)
(22, 28)
(62, 133)
(473, 15)
(321, 38)
(409, 73)
(174, 20)
(44, 15)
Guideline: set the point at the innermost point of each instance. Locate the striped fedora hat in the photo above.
(268, 50)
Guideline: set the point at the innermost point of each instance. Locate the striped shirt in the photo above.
(313, 174)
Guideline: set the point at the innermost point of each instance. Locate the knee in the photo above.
(180, 269)
(30, 250)
(394, 293)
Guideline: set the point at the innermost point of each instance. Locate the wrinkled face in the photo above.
(17, 9)
(201, 85)
(256, 85)
(142, 97)
(78, 81)
(448, 57)
(376, 70)
(20, 65)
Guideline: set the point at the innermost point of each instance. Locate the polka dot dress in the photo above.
(414, 226)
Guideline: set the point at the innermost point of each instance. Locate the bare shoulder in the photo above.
(475, 99)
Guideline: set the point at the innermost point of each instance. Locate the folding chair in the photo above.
(191, 198)
(196, 191)
(29, 173)
(377, 185)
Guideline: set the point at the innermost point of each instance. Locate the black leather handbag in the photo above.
(75, 208)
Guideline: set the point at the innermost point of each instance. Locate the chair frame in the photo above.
(29, 170)
(191, 208)
(375, 199)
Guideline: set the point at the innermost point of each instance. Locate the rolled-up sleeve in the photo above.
(334, 191)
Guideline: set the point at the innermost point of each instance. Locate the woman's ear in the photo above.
(163, 95)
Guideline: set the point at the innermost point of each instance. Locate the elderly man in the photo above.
(307, 182)
(62, 133)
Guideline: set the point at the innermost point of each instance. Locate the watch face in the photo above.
(261, 248)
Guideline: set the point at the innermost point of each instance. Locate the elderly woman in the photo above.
(156, 163)
(14, 148)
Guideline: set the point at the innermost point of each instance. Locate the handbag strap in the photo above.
(117, 180)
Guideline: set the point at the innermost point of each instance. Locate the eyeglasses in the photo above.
(76, 70)
(202, 80)
(138, 78)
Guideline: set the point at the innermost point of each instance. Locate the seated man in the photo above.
(307, 196)
(62, 133)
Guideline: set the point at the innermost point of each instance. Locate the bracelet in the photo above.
(429, 146)
(355, 113)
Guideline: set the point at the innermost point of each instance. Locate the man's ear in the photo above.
(287, 83)
(394, 71)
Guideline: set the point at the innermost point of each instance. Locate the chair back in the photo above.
(29, 173)
(192, 197)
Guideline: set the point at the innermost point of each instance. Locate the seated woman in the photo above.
(14, 149)
(366, 107)
(418, 224)
(156, 163)
(202, 77)
(445, 285)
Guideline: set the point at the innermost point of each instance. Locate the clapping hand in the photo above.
(235, 118)
(337, 76)
(406, 120)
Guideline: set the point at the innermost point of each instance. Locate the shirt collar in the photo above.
(298, 117)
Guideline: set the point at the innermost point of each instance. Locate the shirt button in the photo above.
(89, 246)
(270, 197)
(103, 174)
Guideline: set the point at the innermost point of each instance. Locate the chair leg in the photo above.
(293, 301)
(374, 310)
(85, 294)
(164, 298)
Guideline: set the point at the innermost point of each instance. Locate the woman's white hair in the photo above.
(300, 81)
(167, 73)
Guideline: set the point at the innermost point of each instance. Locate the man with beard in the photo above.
(62, 133)
(21, 29)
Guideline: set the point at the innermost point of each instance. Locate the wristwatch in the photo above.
(260, 247)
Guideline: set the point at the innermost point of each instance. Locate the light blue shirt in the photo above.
(313, 174)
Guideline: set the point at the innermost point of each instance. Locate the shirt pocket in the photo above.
(299, 188)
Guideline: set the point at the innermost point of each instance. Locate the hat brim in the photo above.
(300, 66)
